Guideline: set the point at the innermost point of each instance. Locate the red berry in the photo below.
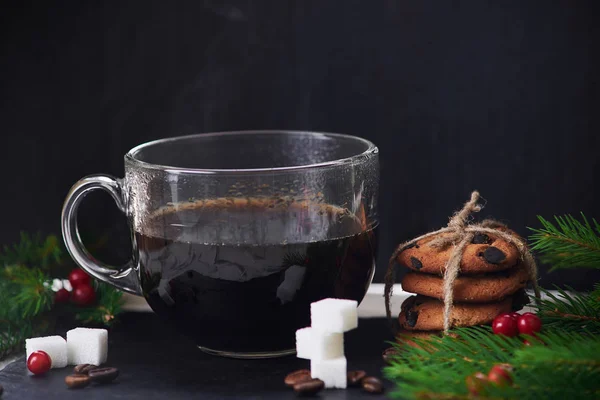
(62, 296)
(476, 383)
(79, 277)
(505, 324)
(500, 374)
(515, 315)
(83, 295)
(39, 362)
(529, 324)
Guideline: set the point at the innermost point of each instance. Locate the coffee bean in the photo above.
(481, 238)
(493, 255)
(103, 375)
(411, 318)
(309, 387)
(77, 381)
(372, 385)
(84, 368)
(416, 263)
(355, 377)
(295, 377)
(389, 354)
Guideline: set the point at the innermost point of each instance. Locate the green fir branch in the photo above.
(33, 251)
(13, 335)
(570, 311)
(25, 291)
(563, 365)
(567, 242)
(104, 312)
(27, 300)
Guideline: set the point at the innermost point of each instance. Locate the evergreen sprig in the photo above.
(12, 336)
(33, 251)
(563, 365)
(110, 302)
(571, 311)
(27, 305)
(567, 242)
(26, 292)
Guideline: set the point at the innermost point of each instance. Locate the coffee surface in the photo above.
(239, 274)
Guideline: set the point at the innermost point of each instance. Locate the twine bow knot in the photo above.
(459, 233)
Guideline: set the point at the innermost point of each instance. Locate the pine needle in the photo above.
(27, 301)
(33, 251)
(25, 292)
(566, 365)
(571, 311)
(568, 242)
(12, 337)
(109, 305)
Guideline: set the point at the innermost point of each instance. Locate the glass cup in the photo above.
(236, 233)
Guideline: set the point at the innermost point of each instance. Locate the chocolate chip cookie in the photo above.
(426, 314)
(486, 253)
(483, 288)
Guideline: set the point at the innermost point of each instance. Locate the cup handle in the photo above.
(124, 278)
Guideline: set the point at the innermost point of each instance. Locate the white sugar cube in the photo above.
(332, 372)
(334, 315)
(304, 343)
(87, 346)
(317, 345)
(55, 346)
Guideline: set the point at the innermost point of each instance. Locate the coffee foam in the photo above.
(275, 204)
(288, 210)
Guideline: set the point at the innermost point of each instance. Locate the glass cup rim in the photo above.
(370, 151)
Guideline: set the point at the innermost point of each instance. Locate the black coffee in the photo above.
(248, 297)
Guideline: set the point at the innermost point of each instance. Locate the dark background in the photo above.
(498, 96)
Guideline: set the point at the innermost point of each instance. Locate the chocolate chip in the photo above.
(295, 377)
(520, 300)
(411, 318)
(309, 387)
(372, 385)
(481, 238)
(77, 381)
(355, 377)
(103, 375)
(494, 255)
(84, 368)
(389, 354)
(408, 303)
(416, 263)
(410, 246)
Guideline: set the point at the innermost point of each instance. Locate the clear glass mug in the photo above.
(236, 233)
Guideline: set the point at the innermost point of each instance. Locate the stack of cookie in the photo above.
(491, 281)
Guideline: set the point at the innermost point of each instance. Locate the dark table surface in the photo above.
(155, 362)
